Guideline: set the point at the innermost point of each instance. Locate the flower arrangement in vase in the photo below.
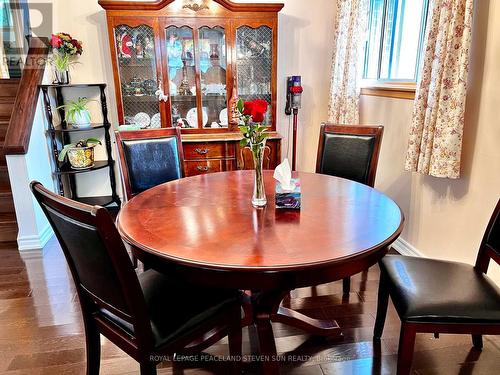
(64, 50)
(251, 118)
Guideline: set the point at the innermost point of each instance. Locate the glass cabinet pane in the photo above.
(137, 69)
(182, 76)
(254, 64)
(212, 47)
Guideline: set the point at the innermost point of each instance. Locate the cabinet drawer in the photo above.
(207, 150)
(197, 167)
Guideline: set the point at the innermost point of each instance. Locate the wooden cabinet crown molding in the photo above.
(160, 4)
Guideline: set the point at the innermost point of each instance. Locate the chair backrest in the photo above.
(490, 245)
(349, 151)
(99, 263)
(149, 158)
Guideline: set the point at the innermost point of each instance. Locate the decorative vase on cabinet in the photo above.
(199, 59)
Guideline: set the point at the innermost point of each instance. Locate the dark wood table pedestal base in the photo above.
(267, 309)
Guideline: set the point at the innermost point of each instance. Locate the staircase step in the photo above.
(4, 179)
(3, 131)
(3, 161)
(9, 87)
(6, 202)
(8, 227)
(6, 105)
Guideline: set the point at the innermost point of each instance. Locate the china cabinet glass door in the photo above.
(137, 70)
(213, 59)
(254, 65)
(181, 62)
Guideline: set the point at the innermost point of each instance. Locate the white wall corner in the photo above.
(405, 248)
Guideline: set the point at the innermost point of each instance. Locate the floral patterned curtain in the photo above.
(350, 27)
(435, 143)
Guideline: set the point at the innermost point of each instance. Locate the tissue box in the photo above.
(288, 199)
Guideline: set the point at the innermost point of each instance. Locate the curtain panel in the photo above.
(435, 141)
(351, 22)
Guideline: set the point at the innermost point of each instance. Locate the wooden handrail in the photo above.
(18, 133)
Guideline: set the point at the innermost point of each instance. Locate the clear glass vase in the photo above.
(259, 192)
(61, 77)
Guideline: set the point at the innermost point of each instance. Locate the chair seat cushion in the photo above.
(435, 291)
(176, 309)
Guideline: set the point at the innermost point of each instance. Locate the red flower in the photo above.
(248, 108)
(259, 110)
(56, 42)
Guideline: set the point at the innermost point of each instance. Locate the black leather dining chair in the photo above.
(149, 158)
(150, 315)
(436, 296)
(351, 152)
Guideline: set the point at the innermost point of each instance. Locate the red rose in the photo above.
(260, 106)
(258, 117)
(56, 42)
(259, 110)
(248, 108)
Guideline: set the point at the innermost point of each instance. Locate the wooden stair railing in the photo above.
(21, 122)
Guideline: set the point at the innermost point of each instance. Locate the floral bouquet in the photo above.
(251, 115)
(64, 49)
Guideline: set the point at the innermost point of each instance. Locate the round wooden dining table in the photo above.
(205, 230)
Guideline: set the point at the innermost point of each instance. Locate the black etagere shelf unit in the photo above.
(60, 135)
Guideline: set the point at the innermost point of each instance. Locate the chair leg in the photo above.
(235, 342)
(346, 285)
(93, 348)
(148, 368)
(382, 304)
(477, 341)
(406, 347)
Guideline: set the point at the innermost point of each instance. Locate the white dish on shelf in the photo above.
(142, 119)
(156, 121)
(192, 117)
(224, 120)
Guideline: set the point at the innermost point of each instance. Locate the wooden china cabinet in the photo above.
(182, 62)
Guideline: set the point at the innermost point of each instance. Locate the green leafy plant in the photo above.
(251, 116)
(89, 142)
(76, 107)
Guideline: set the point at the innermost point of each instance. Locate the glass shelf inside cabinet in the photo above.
(254, 63)
(182, 76)
(137, 69)
(212, 46)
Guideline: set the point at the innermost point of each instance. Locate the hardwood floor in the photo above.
(41, 330)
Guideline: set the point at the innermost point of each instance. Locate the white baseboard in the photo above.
(405, 248)
(27, 243)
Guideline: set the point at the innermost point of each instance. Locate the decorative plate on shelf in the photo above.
(192, 117)
(224, 120)
(156, 121)
(142, 119)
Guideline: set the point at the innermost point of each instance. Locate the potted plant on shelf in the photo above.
(77, 113)
(80, 154)
(64, 50)
(251, 117)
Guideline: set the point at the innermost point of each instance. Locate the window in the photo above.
(394, 40)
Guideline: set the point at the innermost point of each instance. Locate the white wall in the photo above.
(34, 229)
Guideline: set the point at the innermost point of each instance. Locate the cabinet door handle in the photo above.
(203, 169)
(202, 151)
